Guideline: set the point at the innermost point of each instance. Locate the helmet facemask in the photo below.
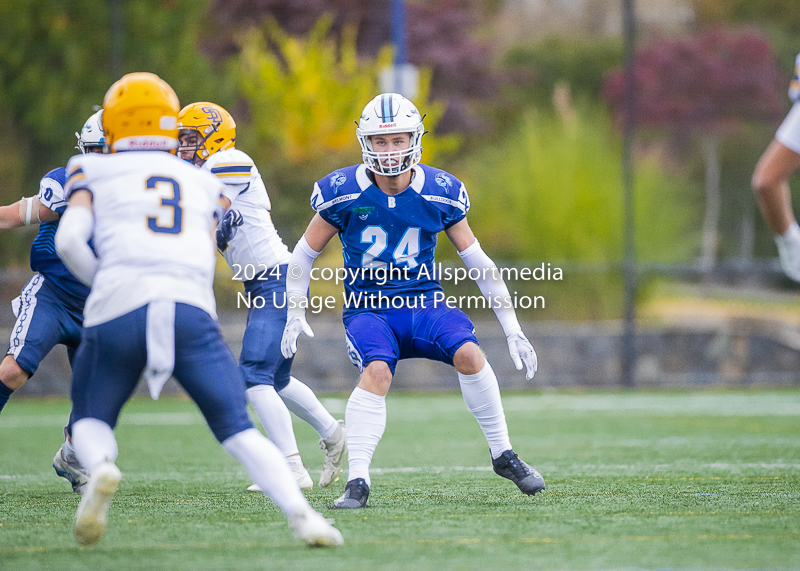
(391, 163)
(197, 146)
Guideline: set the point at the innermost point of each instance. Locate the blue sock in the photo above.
(5, 392)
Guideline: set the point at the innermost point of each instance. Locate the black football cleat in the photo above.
(528, 480)
(356, 493)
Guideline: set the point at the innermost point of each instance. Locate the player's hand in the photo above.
(521, 351)
(789, 255)
(295, 325)
(227, 228)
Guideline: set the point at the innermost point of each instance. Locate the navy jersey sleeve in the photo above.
(448, 193)
(333, 193)
(51, 190)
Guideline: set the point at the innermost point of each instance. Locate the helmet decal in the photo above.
(212, 114)
(386, 108)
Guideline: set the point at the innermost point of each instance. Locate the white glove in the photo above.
(295, 325)
(521, 351)
(789, 251)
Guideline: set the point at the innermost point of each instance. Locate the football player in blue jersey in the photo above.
(49, 310)
(771, 183)
(388, 213)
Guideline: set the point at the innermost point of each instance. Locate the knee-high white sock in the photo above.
(482, 395)
(267, 468)
(302, 401)
(94, 442)
(365, 416)
(274, 417)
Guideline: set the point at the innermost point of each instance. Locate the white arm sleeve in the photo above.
(298, 275)
(74, 230)
(492, 286)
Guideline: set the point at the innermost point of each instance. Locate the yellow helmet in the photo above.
(140, 113)
(215, 128)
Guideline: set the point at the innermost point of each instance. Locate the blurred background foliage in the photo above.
(523, 118)
(559, 171)
(303, 95)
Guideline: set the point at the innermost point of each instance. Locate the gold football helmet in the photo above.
(205, 128)
(140, 113)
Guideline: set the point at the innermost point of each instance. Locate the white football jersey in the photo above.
(256, 242)
(153, 216)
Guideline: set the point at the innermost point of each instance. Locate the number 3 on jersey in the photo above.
(173, 202)
(406, 250)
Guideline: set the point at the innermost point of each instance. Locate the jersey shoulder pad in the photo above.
(336, 189)
(231, 166)
(58, 174)
(443, 189)
(78, 174)
(51, 190)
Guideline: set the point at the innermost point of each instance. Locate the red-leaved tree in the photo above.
(703, 85)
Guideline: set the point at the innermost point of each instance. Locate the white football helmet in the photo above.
(390, 113)
(91, 136)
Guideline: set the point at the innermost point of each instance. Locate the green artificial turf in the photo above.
(635, 480)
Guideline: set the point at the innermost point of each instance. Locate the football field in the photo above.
(635, 480)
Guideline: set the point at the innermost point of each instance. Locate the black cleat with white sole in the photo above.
(508, 465)
(355, 496)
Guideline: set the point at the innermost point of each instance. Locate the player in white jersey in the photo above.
(250, 244)
(151, 308)
(771, 183)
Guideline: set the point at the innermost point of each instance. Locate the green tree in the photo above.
(550, 192)
(582, 63)
(55, 66)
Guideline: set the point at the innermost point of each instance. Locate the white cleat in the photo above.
(71, 470)
(301, 476)
(335, 448)
(93, 509)
(310, 527)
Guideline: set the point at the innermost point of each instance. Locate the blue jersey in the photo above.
(389, 242)
(44, 258)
